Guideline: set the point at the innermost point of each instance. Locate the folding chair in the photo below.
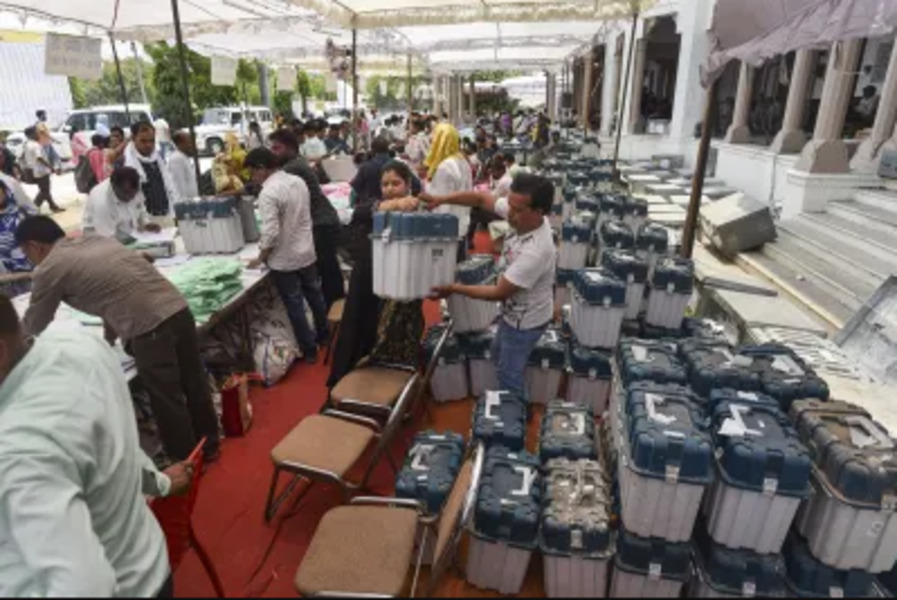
(366, 549)
(325, 447)
(175, 517)
(374, 389)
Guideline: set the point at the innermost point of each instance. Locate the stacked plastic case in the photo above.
(714, 365)
(545, 367)
(562, 283)
(568, 431)
(807, 577)
(598, 307)
(721, 572)
(430, 468)
(652, 242)
(783, 374)
(649, 567)
(449, 380)
(569, 201)
(635, 212)
(849, 522)
(664, 460)
(505, 525)
(428, 474)
(469, 314)
(575, 241)
(575, 539)
(589, 375)
(210, 225)
(654, 361)
(634, 271)
(499, 419)
(413, 253)
(763, 474)
(611, 208)
(614, 235)
(587, 202)
(671, 287)
(477, 350)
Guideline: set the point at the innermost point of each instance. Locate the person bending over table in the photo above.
(100, 277)
(116, 207)
(287, 248)
(525, 286)
(73, 517)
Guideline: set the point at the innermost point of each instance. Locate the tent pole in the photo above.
(697, 182)
(354, 91)
(185, 83)
(409, 92)
(139, 64)
(622, 101)
(121, 80)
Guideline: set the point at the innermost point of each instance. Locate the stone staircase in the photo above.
(832, 262)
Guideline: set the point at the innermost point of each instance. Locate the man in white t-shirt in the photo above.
(527, 265)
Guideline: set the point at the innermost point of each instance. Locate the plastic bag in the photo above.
(273, 357)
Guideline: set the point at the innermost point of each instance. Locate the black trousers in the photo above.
(326, 243)
(43, 192)
(167, 590)
(172, 372)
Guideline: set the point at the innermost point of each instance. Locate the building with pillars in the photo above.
(795, 132)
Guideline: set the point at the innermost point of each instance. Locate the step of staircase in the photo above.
(843, 285)
(837, 249)
(879, 198)
(832, 307)
(861, 234)
(877, 219)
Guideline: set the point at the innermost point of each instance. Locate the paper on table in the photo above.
(172, 261)
(147, 237)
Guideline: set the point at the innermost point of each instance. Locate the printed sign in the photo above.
(73, 56)
(286, 79)
(224, 70)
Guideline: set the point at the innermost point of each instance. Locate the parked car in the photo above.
(219, 121)
(83, 123)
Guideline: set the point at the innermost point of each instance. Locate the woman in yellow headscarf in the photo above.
(448, 172)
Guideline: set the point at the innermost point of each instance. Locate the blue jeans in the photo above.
(296, 288)
(510, 351)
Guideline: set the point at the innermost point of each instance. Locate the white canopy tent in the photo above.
(370, 14)
(758, 30)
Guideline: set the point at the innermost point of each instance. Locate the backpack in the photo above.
(85, 178)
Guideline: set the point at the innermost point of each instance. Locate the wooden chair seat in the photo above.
(380, 386)
(325, 443)
(359, 549)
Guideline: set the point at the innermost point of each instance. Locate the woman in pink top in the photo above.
(97, 158)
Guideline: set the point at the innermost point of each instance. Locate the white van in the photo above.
(219, 121)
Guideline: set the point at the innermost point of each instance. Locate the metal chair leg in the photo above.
(207, 564)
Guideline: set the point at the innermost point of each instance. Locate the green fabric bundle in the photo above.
(208, 284)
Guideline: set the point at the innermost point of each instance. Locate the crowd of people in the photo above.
(73, 518)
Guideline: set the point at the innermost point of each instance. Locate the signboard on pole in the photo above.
(224, 70)
(384, 88)
(329, 83)
(286, 79)
(73, 56)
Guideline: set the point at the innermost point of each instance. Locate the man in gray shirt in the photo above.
(527, 264)
(100, 277)
(325, 220)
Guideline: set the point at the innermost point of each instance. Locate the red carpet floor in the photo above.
(254, 558)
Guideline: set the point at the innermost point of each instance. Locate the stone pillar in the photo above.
(868, 155)
(826, 152)
(634, 123)
(473, 99)
(460, 88)
(688, 99)
(452, 99)
(608, 89)
(739, 132)
(791, 139)
(587, 83)
(619, 65)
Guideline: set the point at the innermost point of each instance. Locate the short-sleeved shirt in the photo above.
(528, 261)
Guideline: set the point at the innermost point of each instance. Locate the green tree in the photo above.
(79, 97)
